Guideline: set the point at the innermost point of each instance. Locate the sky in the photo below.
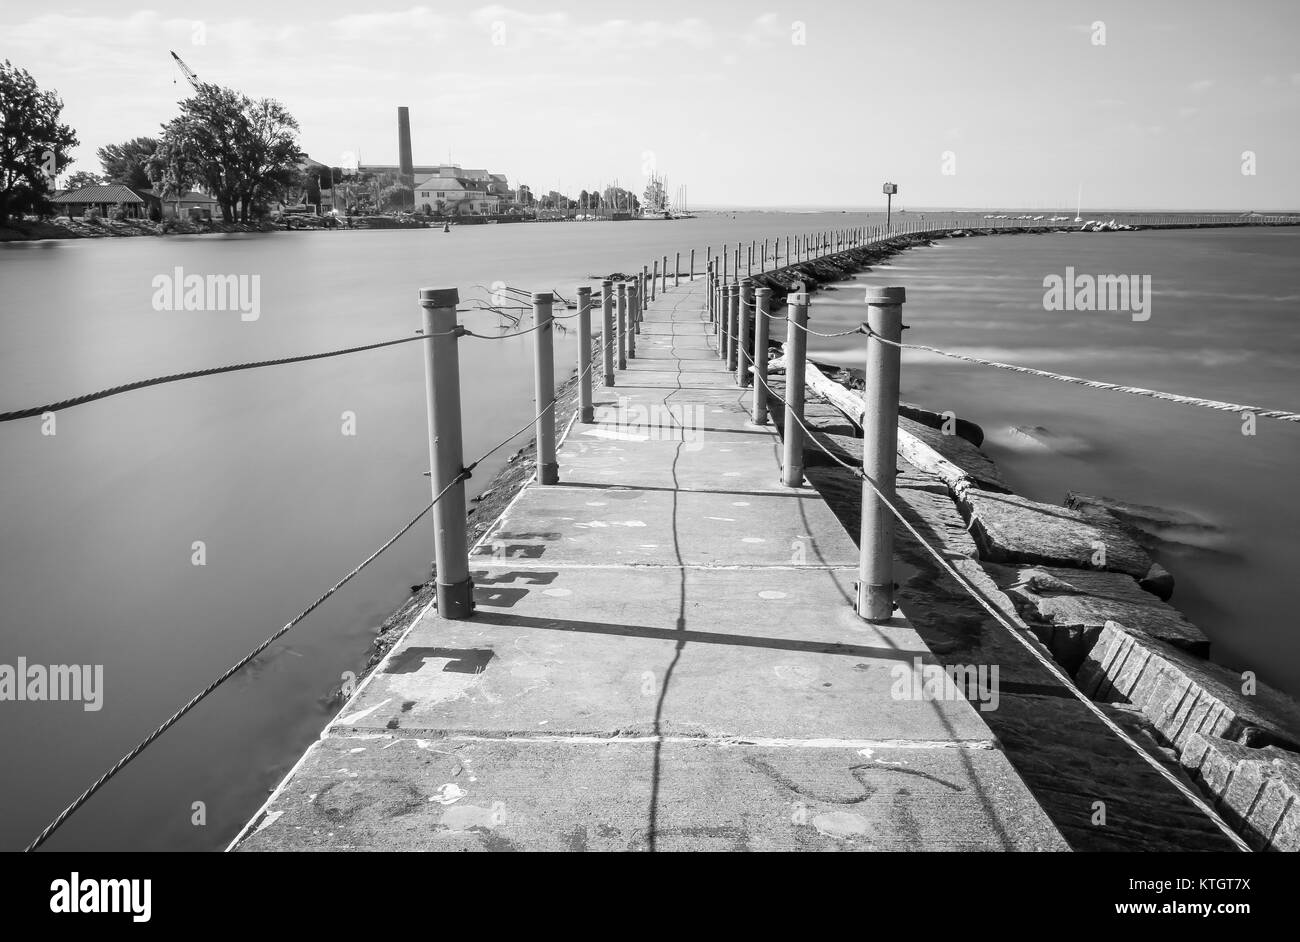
(1151, 105)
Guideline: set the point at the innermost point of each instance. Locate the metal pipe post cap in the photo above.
(886, 295)
(762, 291)
(543, 296)
(439, 297)
(585, 289)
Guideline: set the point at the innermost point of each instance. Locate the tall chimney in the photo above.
(405, 164)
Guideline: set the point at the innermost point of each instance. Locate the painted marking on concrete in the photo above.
(841, 824)
(448, 794)
(360, 714)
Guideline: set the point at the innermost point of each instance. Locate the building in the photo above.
(455, 195)
(102, 199)
(188, 205)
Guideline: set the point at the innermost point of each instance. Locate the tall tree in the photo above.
(246, 151)
(128, 163)
(173, 169)
(34, 145)
(83, 178)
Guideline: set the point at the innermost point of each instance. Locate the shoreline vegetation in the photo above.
(1109, 628)
(101, 228)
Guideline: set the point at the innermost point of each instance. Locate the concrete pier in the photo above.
(664, 655)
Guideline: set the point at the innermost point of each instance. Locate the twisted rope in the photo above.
(195, 374)
(1096, 384)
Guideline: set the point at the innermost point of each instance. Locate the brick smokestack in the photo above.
(405, 164)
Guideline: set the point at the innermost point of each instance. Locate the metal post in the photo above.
(633, 316)
(645, 297)
(677, 270)
(733, 326)
(875, 589)
(725, 257)
(446, 454)
(762, 315)
(544, 360)
(796, 345)
(622, 325)
(608, 334)
(585, 411)
(724, 322)
(663, 283)
(654, 279)
(745, 355)
(692, 264)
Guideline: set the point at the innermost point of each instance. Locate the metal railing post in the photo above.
(875, 588)
(677, 271)
(644, 293)
(733, 327)
(633, 315)
(622, 325)
(654, 279)
(692, 264)
(586, 413)
(663, 275)
(762, 315)
(608, 335)
(796, 346)
(745, 352)
(544, 373)
(455, 591)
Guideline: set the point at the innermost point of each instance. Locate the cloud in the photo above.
(417, 23)
(555, 31)
(765, 31)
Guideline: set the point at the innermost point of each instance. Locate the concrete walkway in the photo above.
(664, 657)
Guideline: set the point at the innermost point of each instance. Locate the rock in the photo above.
(1069, 608)
(1159, 582)
(1038, 438)
(937, 420)
(1153, 526)
(1258, 790)
(1184, 694)
(1014, 529)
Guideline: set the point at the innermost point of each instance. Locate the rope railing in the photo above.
(464, 474)
(1215, 404)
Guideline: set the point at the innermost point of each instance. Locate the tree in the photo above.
(127, 163)
(83, 178)
(246, 151)
(34, 146)
(173, 170)
(397, 197)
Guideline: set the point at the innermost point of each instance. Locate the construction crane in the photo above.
(186, 71)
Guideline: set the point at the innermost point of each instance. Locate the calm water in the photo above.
(98, 520)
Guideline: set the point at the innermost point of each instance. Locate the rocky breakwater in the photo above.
(1082, 579)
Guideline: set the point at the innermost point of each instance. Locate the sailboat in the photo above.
(1078, 212)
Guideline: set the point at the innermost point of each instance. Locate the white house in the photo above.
(455, 195)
